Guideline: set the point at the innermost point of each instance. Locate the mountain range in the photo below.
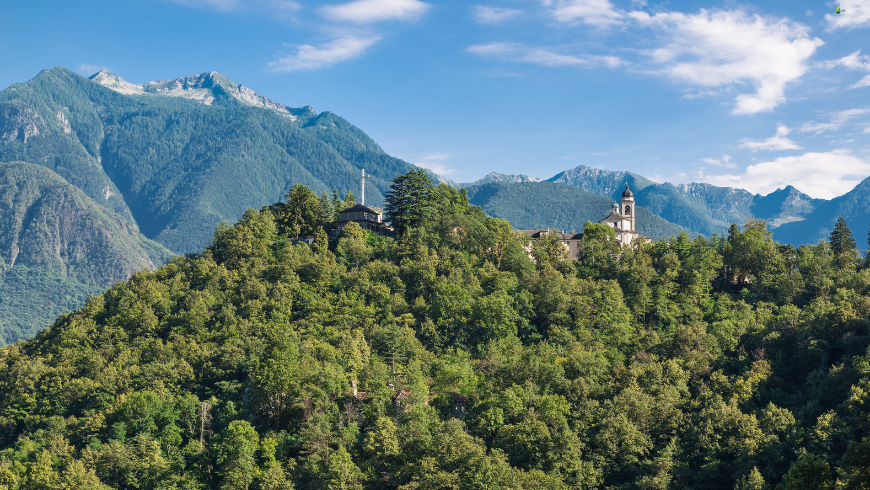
(111, 177)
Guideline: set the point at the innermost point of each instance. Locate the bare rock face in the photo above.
(206, 88)
(19, 122)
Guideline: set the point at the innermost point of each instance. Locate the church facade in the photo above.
(621, 219)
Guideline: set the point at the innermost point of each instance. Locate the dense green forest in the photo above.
(724, 363)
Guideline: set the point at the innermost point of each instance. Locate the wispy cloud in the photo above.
(520, 53)
(367, 11)
(821, 175)
(856, 14)
(436, 163)
(720, 48)
(598, 13)
(854, 61)
(777, 142)
(725, 161)
(88, 70)
(837, 120)
(493, 15)
(309, 58)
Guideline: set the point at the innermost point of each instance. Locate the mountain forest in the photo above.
(455, 356)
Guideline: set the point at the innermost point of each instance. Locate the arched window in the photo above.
(628, 210)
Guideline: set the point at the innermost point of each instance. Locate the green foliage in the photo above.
(678, 364)
(409, 203)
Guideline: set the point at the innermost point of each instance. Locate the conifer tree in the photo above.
(409, 201)
(841, 238)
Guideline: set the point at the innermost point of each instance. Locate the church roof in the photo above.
(627, 192)
(613, 216)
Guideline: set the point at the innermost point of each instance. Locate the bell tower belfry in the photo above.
(626, 207)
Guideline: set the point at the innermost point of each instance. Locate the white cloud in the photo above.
(365, 11)
(725, 161)
(493, 15)
(718, 48)
(88, 70)
(854, 62)
(776, 142)
(310, 57)
(539, 56)
(598, 13)
(856, 14)
(864, 82)
(821, 175)
(838, 119)
(435, 163)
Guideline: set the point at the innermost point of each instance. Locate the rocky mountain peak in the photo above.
(207, 88)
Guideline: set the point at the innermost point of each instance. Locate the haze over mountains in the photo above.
(112, 177)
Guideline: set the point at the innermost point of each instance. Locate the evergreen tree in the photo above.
(841, 238)
(409, 200)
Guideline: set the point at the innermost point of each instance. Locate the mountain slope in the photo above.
(177, 157)
(53, 236)
(854, 206)
(529, 205)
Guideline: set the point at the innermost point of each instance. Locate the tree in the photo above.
(841, 237)
(235, 451)
(301, 209)
(842, 243)
(807, 472)
(409, 200)
(752, 481)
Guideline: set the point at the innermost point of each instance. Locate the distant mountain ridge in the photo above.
(208, 88)
(177, 157)
(536, 205)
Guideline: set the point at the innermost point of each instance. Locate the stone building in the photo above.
(368, 218)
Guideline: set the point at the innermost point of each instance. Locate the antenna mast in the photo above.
(363, 179)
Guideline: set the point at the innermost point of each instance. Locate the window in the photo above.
(628, 210)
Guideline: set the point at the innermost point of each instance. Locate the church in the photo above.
(621, 219)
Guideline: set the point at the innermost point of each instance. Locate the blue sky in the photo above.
(752, 95)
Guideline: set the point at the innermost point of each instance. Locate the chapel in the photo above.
(621, 218)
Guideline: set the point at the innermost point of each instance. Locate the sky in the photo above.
(751, 95)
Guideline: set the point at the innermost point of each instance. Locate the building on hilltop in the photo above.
(368, 218)
(621, 219)
(571, 241)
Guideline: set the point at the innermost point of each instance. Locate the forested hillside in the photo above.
(713, 363)
(57, 247)
(176, 165)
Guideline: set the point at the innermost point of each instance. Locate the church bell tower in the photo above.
(626, 206)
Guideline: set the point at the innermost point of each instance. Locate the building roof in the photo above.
(627, 192)
(562, 236)
(614, 216)
(359, 208)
